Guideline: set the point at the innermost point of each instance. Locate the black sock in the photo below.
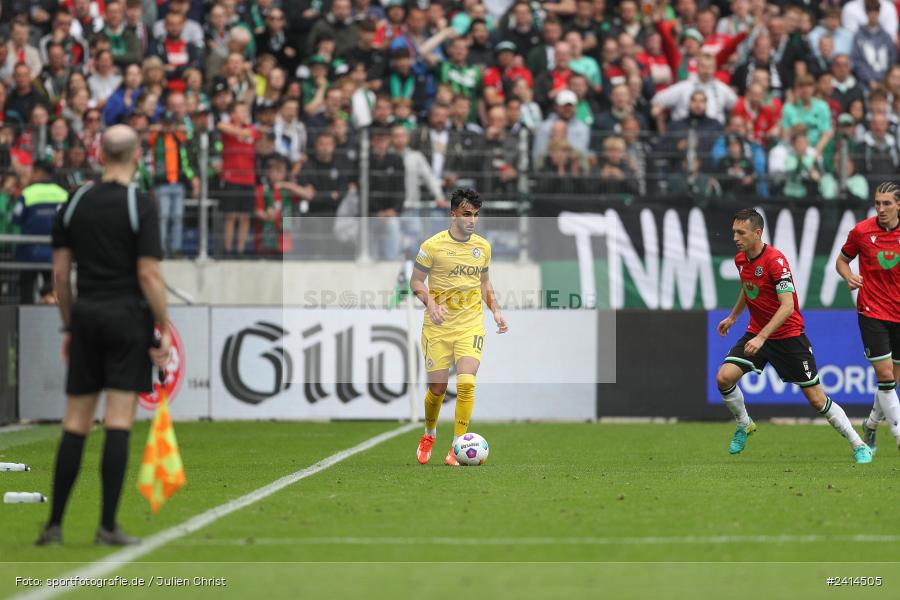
(68, 461)
(112, 470)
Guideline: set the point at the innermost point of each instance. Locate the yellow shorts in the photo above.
(442, 347)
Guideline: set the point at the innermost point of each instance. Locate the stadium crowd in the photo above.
(581, 98)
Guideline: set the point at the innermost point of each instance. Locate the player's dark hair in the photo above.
(748, 214)
(889, 187)
(461, 195)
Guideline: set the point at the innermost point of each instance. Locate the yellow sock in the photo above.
(432, 409)
(465, 402)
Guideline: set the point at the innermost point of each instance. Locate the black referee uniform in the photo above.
(107, 227)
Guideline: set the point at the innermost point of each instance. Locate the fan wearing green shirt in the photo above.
(811, 112)
(463, 78)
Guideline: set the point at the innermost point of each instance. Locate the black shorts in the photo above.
(109, 347)
(791, 357)
(236, 198)
(881, 339)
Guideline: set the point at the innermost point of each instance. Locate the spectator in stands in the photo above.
(461, 121)
(577, 133)
(499, 79)
(373, 59)
(501, 156)
(481, 51)
(831, 26)
(172, 171)
(811, 112)
(386, 185)
(124, 44)
(692, 137)
(276, 40)
(134, 21)
(616, 174)
(463, 78)
(274, 200)
(189, 32)
(754, 152)
(418, 175)
(86, 18)
(846, 87)
(654, 64)
(542, 57)
(176, 54)
(629, 21)
(854, 16)
(55, 75)
(290, 134)
(530, 114)
(874, 50)
(339, 26)
(736, 173)
(19, 51)
(76, 51)
(719, 98)
(35, 214)
(561, 175)
(802, 166)
(324, 177)
(239, 175)
(59, 143)
(405, 82)
(104, 79)
(522, 31)
(761, 57)
(586, 107)
(583, 23)
(24, 95)
(637, 152)
(880, 155)
(92, 136)
(621, 108)
(550, 83)
(762, 114)
(581, 64)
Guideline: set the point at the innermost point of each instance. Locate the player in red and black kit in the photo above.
(876, 242)
(775, 335)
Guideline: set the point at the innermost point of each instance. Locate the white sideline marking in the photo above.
(15, 428)
(115, 560)
(541, 541)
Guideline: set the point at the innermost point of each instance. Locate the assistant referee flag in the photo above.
(162, 473)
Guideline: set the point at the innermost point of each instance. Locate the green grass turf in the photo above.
(556, 483)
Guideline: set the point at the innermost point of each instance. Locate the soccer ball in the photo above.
(471, 450)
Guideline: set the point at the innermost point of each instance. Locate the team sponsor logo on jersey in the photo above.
(888, 259)
(464, 270)
(476, 252)
(758, 271)
(429, 362)
(751, 290)
(873, 238)
(780, 261)
(422, 254)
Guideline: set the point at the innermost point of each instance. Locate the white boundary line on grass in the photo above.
(543, 541)
(115, 560)
(15, 428)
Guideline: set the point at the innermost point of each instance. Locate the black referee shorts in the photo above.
(881, 339)
(792, 359)
(109, 347)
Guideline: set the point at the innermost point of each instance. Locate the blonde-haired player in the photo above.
(456, 262)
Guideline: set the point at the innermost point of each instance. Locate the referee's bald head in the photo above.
(120, 144)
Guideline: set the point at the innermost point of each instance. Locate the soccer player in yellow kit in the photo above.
(456, 262)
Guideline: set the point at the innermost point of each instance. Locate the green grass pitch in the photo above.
(559, 510)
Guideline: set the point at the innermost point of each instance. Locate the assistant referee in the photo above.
(111, 232)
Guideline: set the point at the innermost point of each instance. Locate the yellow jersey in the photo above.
(454, 271)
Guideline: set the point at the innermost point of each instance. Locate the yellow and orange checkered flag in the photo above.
(162, 472)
